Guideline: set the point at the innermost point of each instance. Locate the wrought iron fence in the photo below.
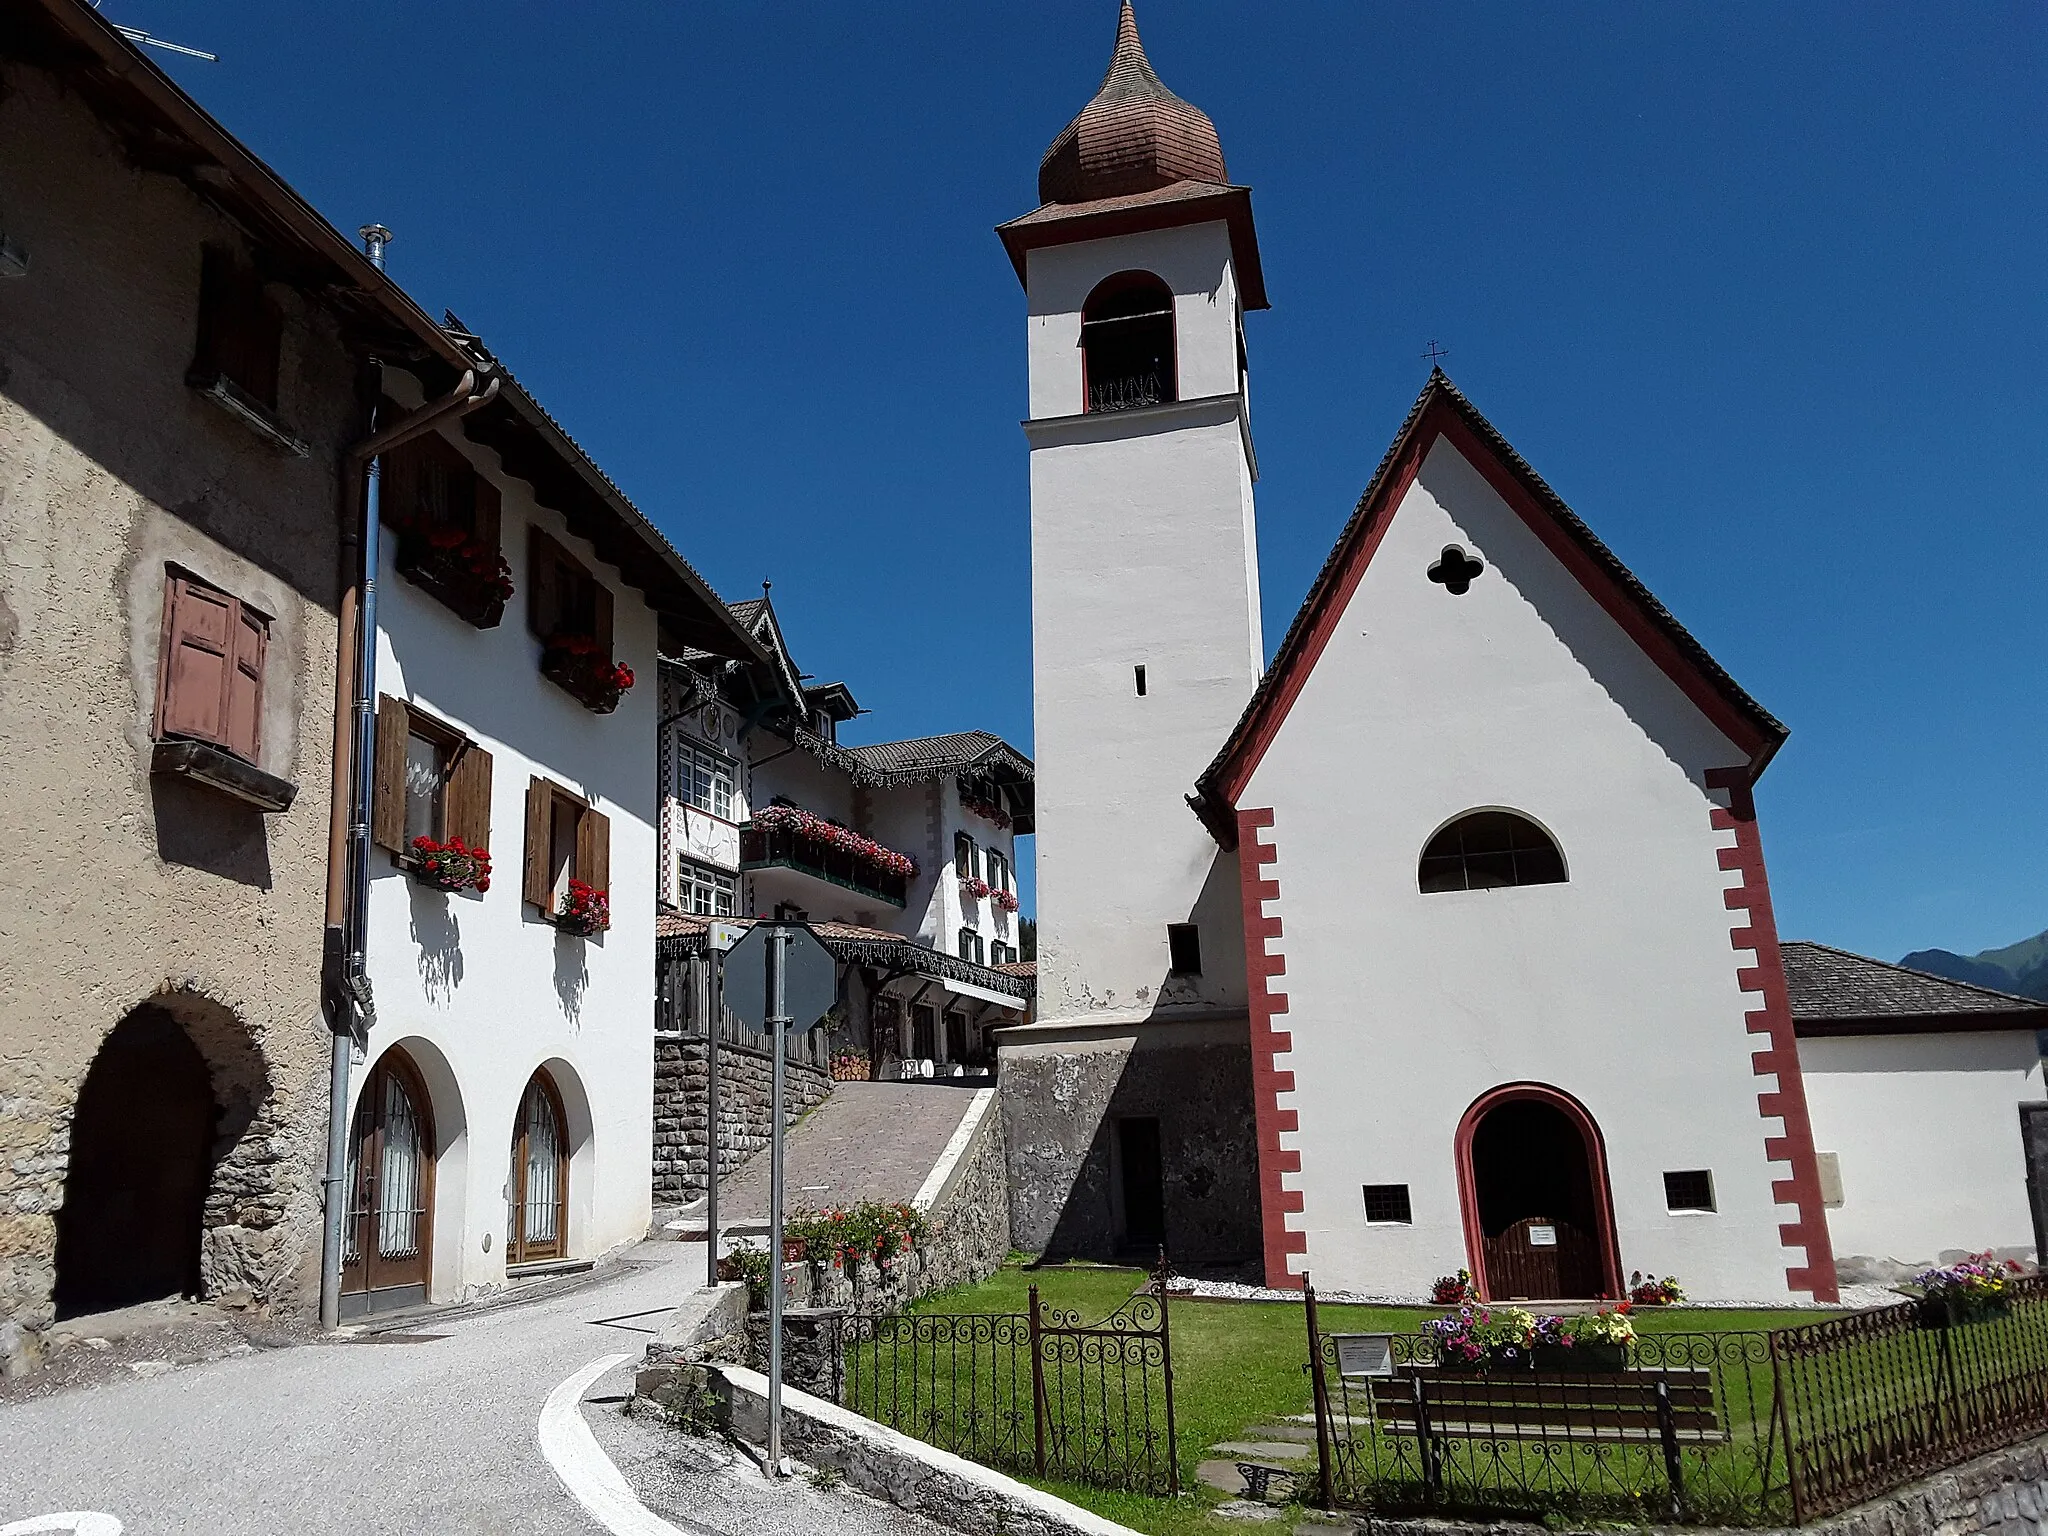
(1685, 1432)
(1038, 1391)
(1877, 1399)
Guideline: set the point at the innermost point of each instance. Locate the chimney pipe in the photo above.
(375, 238)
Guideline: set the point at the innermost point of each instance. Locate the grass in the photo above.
(1237, 1365)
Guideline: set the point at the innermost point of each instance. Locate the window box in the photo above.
(450, 866)
(583, 910)
(430, 804)
(584, 670)
(466, 577)
(217, 768)
(230, 397)
(782, 836)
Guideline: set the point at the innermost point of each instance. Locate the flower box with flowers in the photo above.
(1649, 1291)
(787, 831)
(584, 910)
(1007, 900)
(1595, 1344)
(583, 669)
(1977, 1290)
(469, 577)
(973, 889)
(984, 807)
(450, 866)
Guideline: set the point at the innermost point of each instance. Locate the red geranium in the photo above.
(451, 866)
(585, 909)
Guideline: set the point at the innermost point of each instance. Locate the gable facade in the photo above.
(1387, 1019)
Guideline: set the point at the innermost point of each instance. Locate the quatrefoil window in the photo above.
(1454, 570)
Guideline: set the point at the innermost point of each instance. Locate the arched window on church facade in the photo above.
(1127, 343)
(1483, 850)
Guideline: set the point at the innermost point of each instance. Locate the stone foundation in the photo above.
(682, 1157)
(1061, 1102)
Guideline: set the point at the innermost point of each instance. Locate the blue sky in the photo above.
(1757, 288)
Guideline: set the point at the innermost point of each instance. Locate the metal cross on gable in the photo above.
(1434, 354)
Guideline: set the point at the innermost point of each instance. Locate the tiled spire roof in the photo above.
(1135, 136)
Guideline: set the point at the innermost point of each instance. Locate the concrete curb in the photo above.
(908, 1473)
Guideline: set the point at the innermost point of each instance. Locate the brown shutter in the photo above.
(489, 512)
(601, 607)
(539, 801)
(199, 642)
(387, 803)
(400, 479)
(245, 686)
(594, 850)
(543, 590)
(469, 797)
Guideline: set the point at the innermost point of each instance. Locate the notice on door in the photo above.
(1543, 1237)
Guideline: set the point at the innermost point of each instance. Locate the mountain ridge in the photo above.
(2020, 968)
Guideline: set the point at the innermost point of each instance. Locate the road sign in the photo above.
(810, 979)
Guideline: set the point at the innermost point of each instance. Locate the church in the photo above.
(1443, 941)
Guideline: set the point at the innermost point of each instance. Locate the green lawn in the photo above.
(1237, 1365)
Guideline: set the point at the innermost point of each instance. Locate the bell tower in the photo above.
(1138, 268)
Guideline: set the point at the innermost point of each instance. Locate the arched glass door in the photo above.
(537, 1217)
(387, 1242)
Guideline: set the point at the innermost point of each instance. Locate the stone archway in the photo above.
(141, 1152)
(174, 1183)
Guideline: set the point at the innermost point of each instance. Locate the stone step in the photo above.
(1303, 1432)
(1264, 1450)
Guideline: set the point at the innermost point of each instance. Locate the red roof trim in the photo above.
(1441, 411)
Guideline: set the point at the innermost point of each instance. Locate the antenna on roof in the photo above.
(137, 35)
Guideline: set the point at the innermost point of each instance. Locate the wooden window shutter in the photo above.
(544, 585)
(240, 330)
(401, 485)
(594, 850)
(244, 733)
(469, 796)
(387, 785)
(539, 888)
(198, 654)
(601, 607)
(490, 513)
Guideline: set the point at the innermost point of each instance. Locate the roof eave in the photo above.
(1069, 223)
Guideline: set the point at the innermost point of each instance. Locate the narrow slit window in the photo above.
(1138, 673)
(1184, 949)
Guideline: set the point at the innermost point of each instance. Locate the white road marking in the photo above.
(580, 1462)
(79, 1522)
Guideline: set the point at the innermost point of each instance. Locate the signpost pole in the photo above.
(714, 1022)
(778, 1022)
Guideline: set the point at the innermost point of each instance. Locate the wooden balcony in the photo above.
(780, 848)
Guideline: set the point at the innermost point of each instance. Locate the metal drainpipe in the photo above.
(361, 466)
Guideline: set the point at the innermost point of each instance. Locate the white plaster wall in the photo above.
(480, 981)
(1927, 1129)
(1618, 987)
(1143, 552)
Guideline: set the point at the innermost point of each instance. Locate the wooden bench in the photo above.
(1669, 1407)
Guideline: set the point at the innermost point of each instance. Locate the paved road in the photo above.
(363, 1438)
(867, 1141)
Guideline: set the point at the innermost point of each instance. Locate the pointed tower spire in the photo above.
(1134, 136)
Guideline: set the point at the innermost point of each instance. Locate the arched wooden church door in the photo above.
(388, 1243)
(1539, 1222)
(537, 1218)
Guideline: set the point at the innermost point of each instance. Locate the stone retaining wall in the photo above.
(681, 1151)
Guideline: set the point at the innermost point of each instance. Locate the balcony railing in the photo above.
(780, 848)
(1125, 393)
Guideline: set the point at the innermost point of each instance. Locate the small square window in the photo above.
(1184, 949)
(1387, 1204)
(1691, 1190)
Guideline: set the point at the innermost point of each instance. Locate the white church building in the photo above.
(1444, 940)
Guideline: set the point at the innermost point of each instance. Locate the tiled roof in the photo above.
(1830, 986)
(1134, 135)
(866, 946)
(929, 756)
(1026, 970)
